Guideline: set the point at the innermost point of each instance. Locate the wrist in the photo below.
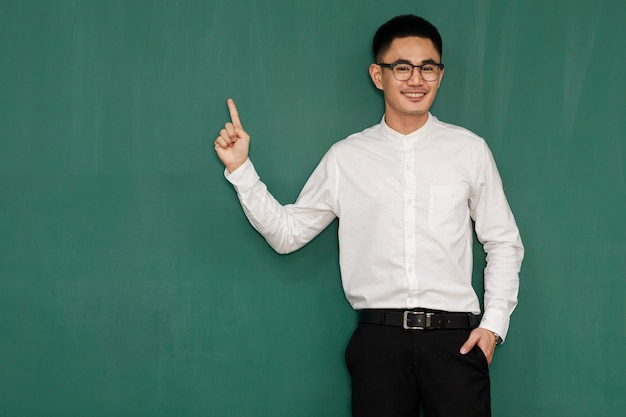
(233, 166)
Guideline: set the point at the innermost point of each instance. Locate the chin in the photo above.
(416, 112)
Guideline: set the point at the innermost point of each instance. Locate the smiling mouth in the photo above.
(411, 94)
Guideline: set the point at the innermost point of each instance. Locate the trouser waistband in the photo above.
(419, 319)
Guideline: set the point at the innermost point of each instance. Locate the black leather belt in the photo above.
(419, 319)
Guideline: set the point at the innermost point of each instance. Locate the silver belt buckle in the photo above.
(424, 318)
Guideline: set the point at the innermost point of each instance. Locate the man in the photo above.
(405, 191)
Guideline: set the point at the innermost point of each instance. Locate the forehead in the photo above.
(413, 49)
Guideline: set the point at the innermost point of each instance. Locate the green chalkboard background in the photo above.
(131, 283)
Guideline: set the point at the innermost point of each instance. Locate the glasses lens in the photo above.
(430, 72)
(402, 72)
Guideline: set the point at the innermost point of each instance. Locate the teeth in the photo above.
(414, 94)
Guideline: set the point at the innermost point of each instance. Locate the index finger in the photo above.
(234, 115)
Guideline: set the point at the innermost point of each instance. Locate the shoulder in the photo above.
(451, 132)
(364, 138)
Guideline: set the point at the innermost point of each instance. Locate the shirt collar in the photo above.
(413, 136)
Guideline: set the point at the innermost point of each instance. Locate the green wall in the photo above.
(131, 283)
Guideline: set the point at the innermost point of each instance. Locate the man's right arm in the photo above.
(285, 228)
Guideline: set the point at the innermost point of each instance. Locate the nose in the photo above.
(416, 77)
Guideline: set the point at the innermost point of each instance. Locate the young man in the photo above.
(405, 191)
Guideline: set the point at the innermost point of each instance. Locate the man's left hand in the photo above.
(484, 339)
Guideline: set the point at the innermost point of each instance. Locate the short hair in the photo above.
(403, 27)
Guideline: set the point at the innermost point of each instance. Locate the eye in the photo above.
(402, 68)
(428, 68)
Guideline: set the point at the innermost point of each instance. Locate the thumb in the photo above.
(469, 344)
(242, 134)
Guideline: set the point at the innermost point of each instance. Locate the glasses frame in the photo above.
(395, 64)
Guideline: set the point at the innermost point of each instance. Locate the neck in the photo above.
(407, 124)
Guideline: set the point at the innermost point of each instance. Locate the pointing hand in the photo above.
(233, 143)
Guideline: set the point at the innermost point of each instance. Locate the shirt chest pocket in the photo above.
(448, 211)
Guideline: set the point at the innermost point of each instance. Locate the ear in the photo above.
(441, 77)
(376, 76)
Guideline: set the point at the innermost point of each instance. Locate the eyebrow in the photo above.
(406, 61)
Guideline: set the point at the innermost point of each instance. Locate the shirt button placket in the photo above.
(409, 222)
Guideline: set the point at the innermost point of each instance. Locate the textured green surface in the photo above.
(131, 283)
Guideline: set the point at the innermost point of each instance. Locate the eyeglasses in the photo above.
(402, 71)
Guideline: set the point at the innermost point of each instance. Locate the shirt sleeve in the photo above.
(287, 228)
(497, 230)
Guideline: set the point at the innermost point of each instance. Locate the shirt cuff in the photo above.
(501, 329)
(243, 177)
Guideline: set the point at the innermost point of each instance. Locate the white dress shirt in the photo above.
(405, 205)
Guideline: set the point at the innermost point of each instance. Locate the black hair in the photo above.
(403, 27)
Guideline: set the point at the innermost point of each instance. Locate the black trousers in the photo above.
(395, 371)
